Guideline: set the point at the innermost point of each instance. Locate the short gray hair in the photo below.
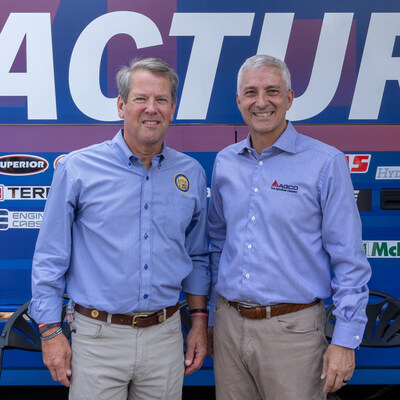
(154, 65)
(263, 61)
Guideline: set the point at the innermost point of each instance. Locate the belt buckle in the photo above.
(134, 322)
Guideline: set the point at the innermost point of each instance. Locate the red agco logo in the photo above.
(22, 164)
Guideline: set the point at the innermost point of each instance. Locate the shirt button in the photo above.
(256, 190)
(146, 236)
(247, 276)
(145, 296)
(146, 206)
(253, 218)
(357, 337)
(146, 267)
(249, 246)
(260, 163)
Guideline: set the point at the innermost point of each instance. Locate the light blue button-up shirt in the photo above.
(284, 228)
(120, 237)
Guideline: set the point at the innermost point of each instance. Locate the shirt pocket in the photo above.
(178, 215)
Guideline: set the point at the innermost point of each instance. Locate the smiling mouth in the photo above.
(263, 114)
(151, 122)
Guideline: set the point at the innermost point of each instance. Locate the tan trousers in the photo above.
(270, 359)
(116, 362)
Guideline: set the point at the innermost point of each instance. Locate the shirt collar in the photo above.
(285, 142)
(126, 153)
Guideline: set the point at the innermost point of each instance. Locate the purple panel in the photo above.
(198, 138)
(36, 139)
(350, 137)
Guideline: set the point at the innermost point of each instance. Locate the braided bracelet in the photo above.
(52, 335)
(45, 327)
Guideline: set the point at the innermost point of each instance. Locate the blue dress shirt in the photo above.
(120, 237)
(284, 228)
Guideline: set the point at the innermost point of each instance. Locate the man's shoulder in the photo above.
(183, 159)
(232, 149)
(307, 143)
(89, 152)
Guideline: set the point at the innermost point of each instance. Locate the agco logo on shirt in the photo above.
(284, 187)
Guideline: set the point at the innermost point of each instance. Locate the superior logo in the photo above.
(382, 249)
(284, 187)
(22, 164)
(20, 219)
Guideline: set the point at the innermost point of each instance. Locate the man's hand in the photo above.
(57, 357)
(338, 366)
(196, 343)
(210, 346)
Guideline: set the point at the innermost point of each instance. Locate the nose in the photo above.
(261, 100)
(151, 107)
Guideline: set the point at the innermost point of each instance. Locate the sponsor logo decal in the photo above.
(22, 164)
(24, 192)
(182, 182)
(284, 187)
(382, 248)
(387, 173)
(363, 199)
(358, 163)
(57, 160)
(20, 219)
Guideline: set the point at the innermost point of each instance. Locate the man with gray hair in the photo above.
(284, 234)
(124, 231)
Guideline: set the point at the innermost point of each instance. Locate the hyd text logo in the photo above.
(284, 187)
(22, 164)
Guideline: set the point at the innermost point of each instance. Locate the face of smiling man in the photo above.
(263, 102)
(147, 112)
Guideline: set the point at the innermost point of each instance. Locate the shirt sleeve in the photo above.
(342, 239)
(216, 234)
(198, 281)
(53, 247)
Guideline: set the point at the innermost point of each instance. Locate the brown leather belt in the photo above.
(260, 312)
(142, 320)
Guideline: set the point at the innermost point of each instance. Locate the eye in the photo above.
(162, 101)
(139, 99)
(249, 93)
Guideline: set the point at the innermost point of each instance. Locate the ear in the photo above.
(238, 101)
(171, 117)
(121, 107)
(290, 99)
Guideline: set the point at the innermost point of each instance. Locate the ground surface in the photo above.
(351, 392)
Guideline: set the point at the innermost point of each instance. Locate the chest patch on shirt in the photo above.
(182, 182)
(284, 187)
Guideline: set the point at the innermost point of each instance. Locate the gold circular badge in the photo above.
(95, 313)
(182, 182)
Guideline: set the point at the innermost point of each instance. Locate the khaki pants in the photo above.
(116, 362)
(270, 359)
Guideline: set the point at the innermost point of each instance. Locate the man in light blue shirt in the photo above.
(124, 231)
(284, 233)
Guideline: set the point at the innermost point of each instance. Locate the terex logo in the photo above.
(358, 163)
(22, 164)
(382, 249)
(284, 187)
